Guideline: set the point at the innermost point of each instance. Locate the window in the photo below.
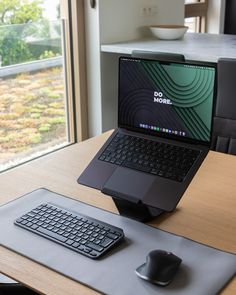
(38, 103)
(196, 15)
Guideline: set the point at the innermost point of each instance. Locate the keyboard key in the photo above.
(82, 241)
(95, 247)
(69, 242)
(31, 214)
(86, 249)
(118, 234)
(81, 247)
(94, 253)
(106, 243)
(51, 234)
(75, 244)
(24, 217)
(112, 236)
(61, 232)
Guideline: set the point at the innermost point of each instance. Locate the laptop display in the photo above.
(166, 98)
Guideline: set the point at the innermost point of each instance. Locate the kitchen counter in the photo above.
(201, 47)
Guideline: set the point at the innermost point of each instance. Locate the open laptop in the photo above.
(165, 112)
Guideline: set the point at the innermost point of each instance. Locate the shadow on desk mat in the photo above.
(204, 270)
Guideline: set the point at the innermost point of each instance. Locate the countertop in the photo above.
(195, 46)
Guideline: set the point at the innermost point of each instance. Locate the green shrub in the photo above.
(13, 49)
(44, 127)
(36, 138)
(48, 54)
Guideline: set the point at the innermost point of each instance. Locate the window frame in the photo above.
(198, 10)
(75, 67)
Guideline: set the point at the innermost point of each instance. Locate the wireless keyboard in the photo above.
(78, 232)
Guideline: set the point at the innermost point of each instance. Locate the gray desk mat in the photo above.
(204, 270)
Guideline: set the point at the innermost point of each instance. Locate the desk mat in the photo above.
(204, 270)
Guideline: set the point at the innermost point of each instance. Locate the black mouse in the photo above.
(160, 267)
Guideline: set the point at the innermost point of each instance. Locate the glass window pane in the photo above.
(192, 23)
(33, 103)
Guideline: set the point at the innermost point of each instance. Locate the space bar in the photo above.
(136, 166)
(51, 234)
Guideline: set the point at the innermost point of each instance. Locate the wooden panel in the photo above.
(206, 213)
(79, 66)
(196, 9)
(75, 69)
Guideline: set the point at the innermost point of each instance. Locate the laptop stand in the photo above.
(137, 211)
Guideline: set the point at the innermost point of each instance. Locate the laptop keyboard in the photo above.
(157, 158)
(78, 232)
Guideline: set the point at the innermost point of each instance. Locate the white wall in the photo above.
(222, 16)
(93, 69)
(115, 21)
(122, 20)
(215, 16)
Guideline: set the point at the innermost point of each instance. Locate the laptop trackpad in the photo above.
(128, 184)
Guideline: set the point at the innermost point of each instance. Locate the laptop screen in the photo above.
(166, 98)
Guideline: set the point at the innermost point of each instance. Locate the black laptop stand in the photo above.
(137, 211)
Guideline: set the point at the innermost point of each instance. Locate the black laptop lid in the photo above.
(167, 99)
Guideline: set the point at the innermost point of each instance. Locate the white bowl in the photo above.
(168, 32)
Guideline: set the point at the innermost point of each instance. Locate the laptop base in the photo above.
(137, 211)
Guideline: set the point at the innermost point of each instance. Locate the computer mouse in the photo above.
(160, 267)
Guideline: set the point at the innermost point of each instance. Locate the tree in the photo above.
(20, 11)
(22, 25)
(18, 20)
(13, 49)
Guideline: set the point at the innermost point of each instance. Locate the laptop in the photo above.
(165, 112)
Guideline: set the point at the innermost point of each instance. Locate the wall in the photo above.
(126, 19)
(215, 16)
(115, 21)
(93, 69)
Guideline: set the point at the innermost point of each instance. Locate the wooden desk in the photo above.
(206, 213)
